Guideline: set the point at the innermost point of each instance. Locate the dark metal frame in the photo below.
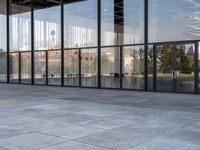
(146, 44)
(32, 44)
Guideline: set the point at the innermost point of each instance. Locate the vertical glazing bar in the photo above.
(80, 72)
(47, 69)
(196, 68)
(146, 42)
(154, 68)
(121, 67)
(62, 44)
(8, 40)
(20, 65)
(32, 42)
(99, 41)
(174, 68)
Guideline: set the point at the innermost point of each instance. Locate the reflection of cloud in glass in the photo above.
(170, 20)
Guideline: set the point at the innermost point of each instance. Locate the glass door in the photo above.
(185, 68)
(164, 67)
(175, 66)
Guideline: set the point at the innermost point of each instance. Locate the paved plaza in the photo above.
(55, 118)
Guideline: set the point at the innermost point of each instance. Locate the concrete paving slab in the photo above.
(162, 144)
(106, 123)
(71, 131)
(71, 145)
(6, 132)
(29, 141)
(74, 118)
(41, 117)
(113, 140)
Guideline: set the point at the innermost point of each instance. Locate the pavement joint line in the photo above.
(53, 145)
(92, 144)
(17, 135)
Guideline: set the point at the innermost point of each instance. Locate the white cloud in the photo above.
(194, 3)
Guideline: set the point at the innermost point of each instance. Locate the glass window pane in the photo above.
(3, 26)
(54, 67)
(71, 67)
(3, 67)
(110, 67)
(173, 20)
(80, 26)
(3, 40)
(133, 67)
(122, 22)
(185, 68)
(14, 67)
(20, 25)
(25, 67)
(164, 68)
(89, 67)
(199, 66)
(150, 68)
(47, 25)
(40, 67)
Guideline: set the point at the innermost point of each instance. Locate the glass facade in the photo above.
(199, 66)
(71, 67)
(110, 68)
(54, 67)
(149, 45)
(151, 67)
(20, 26)
(89, 65)
(80, 23)
(40, 67)
(14, 67)
(47, 25)
(117, 27)
(3, 40)
(164, 58)
(173, 20)
(25, 67)
(133, 68)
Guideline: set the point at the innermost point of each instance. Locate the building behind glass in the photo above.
(147, 45)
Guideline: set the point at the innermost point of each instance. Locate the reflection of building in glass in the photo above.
(101, 43)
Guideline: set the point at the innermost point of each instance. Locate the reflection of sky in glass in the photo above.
(174, 20)
(3, 33)
(168, 19)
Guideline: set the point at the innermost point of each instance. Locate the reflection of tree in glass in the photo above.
(3, 60)
(184, 60)
(164, 59)
(107, 64)
(150, 60)
(138, 61)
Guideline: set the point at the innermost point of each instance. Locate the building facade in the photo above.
(147, 45)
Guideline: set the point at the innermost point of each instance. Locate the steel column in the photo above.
(154, 68)
(8, 39)
(20, 65)
(80, 62)
(121, 67)
(32, 43)
(62, 44)
(47, 67)
(99, 41)
(146, 43)
(196, 67)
